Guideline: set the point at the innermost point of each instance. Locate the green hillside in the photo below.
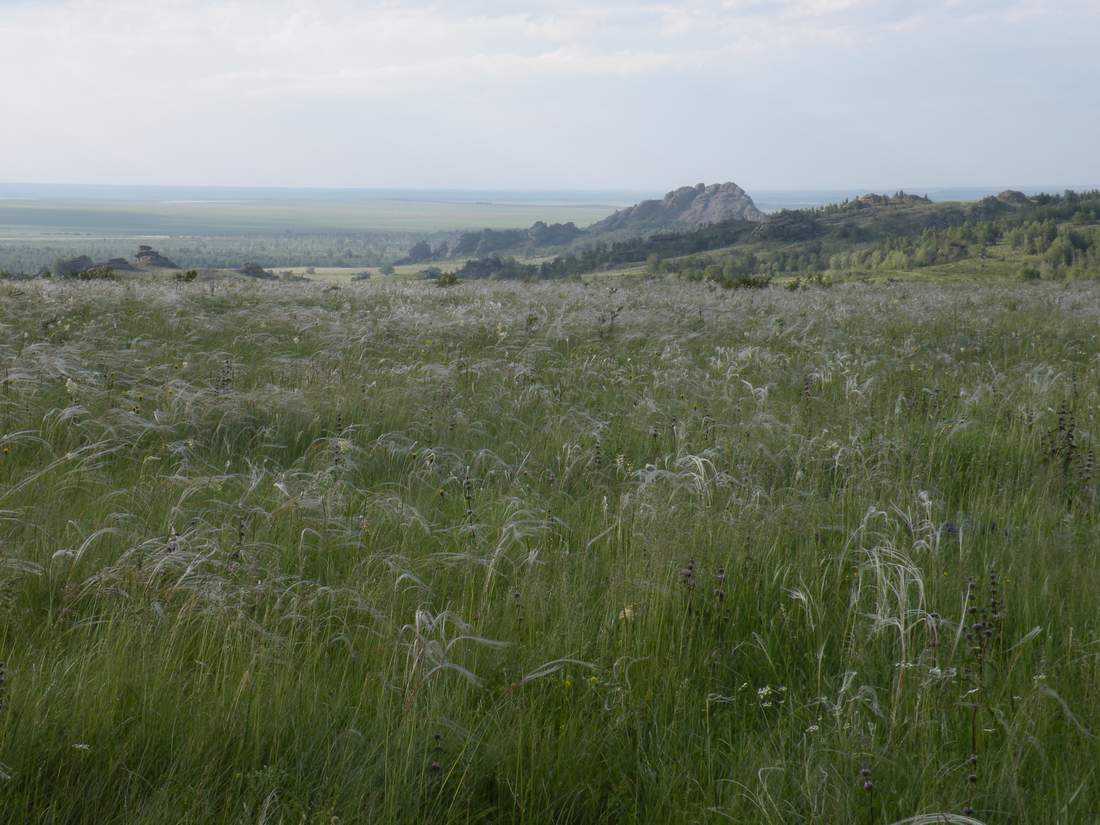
(1045, 236)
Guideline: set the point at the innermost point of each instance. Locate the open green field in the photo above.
(343, 275)
(22, 220)
(631, 551)
(352, 231)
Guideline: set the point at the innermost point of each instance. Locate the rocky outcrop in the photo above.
(686, 208)
(689, 206)
(256, 271)
(70, 267)
(67, 267)
(147, 256)
(119, 265)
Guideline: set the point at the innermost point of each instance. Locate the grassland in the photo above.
(20, 218)
(351, 231)
(650, 552)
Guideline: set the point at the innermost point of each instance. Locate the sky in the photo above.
(562, 94)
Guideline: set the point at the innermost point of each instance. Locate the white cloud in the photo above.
(340, 47)
(106, 83)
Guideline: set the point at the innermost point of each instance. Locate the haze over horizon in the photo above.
(641, 96)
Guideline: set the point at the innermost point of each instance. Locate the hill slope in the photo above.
(1040, 236)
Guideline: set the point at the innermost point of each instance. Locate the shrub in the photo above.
(96, 273)
(1029, 273)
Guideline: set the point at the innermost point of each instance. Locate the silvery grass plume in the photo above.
(897, 588)
(429, 646)
(939, 819)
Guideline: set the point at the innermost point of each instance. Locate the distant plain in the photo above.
(33, 212)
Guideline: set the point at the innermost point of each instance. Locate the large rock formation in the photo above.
(689, 206)
(686, 208)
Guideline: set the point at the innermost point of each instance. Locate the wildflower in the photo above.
(567, 683)
(687, 575)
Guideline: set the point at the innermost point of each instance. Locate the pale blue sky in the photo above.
(565, 94)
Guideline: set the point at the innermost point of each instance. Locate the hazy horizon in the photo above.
(791, 95)
(789, 198)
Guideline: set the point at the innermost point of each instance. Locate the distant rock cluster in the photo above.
(75, 267)
(897, 199)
